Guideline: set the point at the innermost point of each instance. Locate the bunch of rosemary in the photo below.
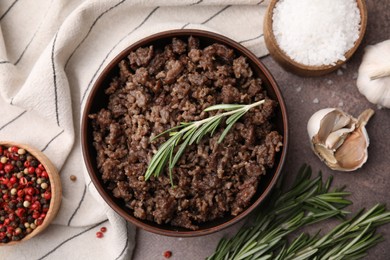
(189, 133)
(308, 201)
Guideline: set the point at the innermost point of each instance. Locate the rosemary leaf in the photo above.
(214, 126)
(179, 153)
(187, 133)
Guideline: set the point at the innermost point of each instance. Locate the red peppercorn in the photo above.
(7, 208)
(2, 235)
(38, 172)
(36, 206)
(30, 191)
(103, 229)
(20, 193)
(20, 212)
(39, 221)
(36, 214)
(14, 149)
(4, 181)
(31, 170)
(6, 221)
(26, 164)
(27, 197)
(99, 234)
(13, 180)
(8, 168)
(167, 254)
(47, 195)
(5, 197)
(23, 181)
(10, 230)
(1, 166)
(41, 167)
(44, 174)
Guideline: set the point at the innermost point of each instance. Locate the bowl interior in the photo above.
(305, 70)
(97, 100)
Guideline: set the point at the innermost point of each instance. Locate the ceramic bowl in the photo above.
(97, 100)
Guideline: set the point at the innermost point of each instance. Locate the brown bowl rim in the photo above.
(317, 70)
(84, 131)
(55, 185)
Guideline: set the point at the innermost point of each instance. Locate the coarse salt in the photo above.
(316, 32)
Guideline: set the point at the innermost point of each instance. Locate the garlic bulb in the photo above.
(374, 74)
(339, 139)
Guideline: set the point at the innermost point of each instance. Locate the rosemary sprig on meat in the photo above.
(193, 132)
(308, 201)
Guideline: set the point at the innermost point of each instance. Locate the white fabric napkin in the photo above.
(51, 52)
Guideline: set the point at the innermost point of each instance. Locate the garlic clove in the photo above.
(353, 153)
(339, 139)
(342, 120)
(325, 154)
(331, 122)
(313, 126)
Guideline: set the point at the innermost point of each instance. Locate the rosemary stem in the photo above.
(228, 113)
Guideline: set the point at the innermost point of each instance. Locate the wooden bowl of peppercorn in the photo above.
(31, 192)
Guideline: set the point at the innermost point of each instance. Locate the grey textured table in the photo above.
(368, 185)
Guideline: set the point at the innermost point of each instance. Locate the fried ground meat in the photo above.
(156, 89)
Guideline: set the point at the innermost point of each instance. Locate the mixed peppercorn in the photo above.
(25, 193)
(100, 234)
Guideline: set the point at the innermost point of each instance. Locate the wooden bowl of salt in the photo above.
(299, 35)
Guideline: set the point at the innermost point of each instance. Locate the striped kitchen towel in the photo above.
(51, 52)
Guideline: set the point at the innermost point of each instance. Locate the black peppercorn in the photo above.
(15, 238)
(34, 163)
(12, 205)
(30, 219)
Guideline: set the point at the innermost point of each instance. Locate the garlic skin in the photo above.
(339, 139)
(374, 74)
